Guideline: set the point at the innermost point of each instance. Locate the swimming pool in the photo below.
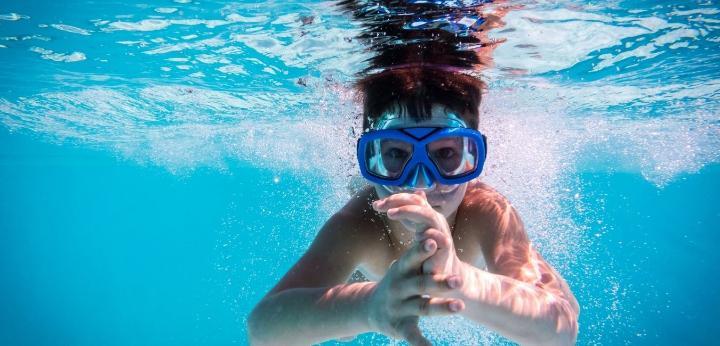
(162, 165)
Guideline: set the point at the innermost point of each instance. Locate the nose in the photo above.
(420, 179)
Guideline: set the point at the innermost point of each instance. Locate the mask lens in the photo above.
(386, 158)
(453, 156)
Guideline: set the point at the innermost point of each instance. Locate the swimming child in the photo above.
(432, 238)
(427, 234)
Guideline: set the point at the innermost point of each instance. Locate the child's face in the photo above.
(443, 198)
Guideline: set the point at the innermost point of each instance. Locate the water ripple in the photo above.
(59, 57)
(13, 17)
(71, 29)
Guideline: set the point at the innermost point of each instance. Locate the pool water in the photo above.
(163, 164)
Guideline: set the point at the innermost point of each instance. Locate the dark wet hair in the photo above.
(424, 54)
(414, 90)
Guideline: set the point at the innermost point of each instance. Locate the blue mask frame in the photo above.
(420, 137)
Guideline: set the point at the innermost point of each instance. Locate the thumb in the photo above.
(410, 331)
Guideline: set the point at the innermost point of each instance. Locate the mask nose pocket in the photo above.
(420, 178)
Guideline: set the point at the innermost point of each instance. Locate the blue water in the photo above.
(161, 169)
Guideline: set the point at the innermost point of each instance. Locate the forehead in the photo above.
(440, 116)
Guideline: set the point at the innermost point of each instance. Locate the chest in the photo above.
(386, 251)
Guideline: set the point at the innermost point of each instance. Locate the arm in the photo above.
(307, 306)
(525, 313)
(521, 296)
(302, 316)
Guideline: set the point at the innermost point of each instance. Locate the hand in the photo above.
(403, 206)
(415, 213)
(401, 296)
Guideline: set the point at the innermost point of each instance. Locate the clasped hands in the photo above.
(427, 280)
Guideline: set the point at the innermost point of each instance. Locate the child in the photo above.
(432, 239)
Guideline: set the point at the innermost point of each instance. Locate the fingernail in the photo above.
(453, 282)
(428, 245)
(454, 306)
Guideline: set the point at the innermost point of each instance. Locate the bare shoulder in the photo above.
(352, 221)
(369, 227)
(505, 244)
(490, 220)
(483, 198)
(488, 210)
(370, 239)
(341, 245)
(367, 223)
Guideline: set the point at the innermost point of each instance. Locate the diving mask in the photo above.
(443, 151)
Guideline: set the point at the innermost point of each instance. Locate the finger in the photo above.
(413, 227)
(412, 259)
(443, 259)
(410, 331)
(438, 264)
(415, 213)
(430, 306)
(443, 240)
(433, 284)
(397, 200)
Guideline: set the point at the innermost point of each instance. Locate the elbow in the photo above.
(570, 313)
(564, 328)
(253, 331)
(263, 328)
(564, 337)
(257, 335)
